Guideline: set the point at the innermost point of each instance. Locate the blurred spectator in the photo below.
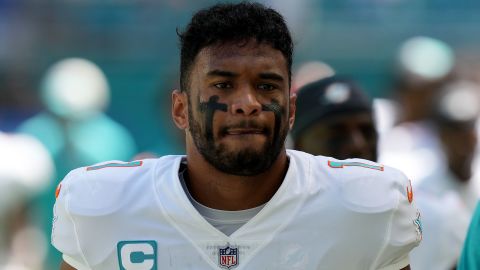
(450, 189)
(75, 130)
(423, 65)
(456, 113)
(26, 169)
(75, 92)
(334, 117)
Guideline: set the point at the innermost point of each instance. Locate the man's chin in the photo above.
(243, 141)
(245, 151)
(245, 162)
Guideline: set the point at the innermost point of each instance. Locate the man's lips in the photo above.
(244, 131)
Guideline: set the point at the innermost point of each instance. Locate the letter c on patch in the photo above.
(137, 255)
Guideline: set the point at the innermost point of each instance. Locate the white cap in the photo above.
(460, 102)
(426, 58)
(75, 88)
(26, 168)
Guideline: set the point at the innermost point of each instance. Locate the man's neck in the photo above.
(223, 191)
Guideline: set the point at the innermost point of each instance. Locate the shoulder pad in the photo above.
(104, 187)
(366, 186)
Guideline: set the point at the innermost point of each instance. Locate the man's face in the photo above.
(239, 109)
(342, 136)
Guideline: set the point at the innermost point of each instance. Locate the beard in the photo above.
(244, 162)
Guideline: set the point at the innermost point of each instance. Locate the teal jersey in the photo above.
(470, 258)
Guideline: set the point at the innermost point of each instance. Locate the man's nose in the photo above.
(246, 102)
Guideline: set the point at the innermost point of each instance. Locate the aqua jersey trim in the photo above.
(342, 164)
(116, 165)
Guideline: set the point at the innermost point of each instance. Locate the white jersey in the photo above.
(327, 214)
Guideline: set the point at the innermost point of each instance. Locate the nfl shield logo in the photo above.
(228, 257)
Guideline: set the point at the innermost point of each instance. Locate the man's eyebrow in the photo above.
(221, 73)
(271, 76)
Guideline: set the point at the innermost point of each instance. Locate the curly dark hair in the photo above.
(239, 22)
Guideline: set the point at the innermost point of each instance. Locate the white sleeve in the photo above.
(405, 229)
(74, 263)
(64, 233)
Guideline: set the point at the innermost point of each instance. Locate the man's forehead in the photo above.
(220, 52)
(238, 60)
(240, 48)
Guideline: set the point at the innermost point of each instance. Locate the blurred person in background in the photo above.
(456, 113)
(457, 124)
(26, 169)
(334, 117)
(448, 196)
(423, 65)
(74, 128)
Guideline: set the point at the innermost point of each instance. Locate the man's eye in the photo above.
(223, 85)
(267, 87)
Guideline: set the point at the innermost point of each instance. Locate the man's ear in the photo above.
(180, 109)
(292, 108)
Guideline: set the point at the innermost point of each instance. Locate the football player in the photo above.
(238, 199)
